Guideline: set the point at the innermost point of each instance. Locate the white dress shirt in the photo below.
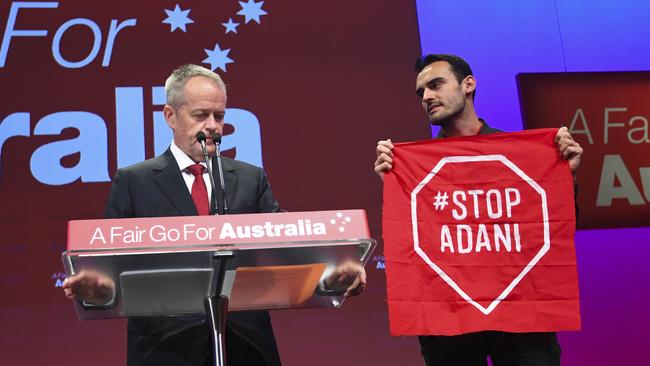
(185, 161)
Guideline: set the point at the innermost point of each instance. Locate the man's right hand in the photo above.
(384, 162)
(90, 286)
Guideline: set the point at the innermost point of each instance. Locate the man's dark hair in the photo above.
(459, 67)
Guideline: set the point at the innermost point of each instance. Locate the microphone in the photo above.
(216, 138)
(200, 137)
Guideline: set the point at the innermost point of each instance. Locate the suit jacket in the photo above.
(155, 188)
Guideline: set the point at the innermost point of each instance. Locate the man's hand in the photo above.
(350, 275)
(384, 162)
(89, 286)
(569, 149)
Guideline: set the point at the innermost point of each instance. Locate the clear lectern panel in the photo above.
(270, 261)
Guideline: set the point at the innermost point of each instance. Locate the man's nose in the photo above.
(428, 94)
(214, 124)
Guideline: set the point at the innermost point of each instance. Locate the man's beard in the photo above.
(448, 117)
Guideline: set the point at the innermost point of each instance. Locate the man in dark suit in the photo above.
(166, 186)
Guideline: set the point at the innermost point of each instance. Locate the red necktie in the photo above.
(199, 191)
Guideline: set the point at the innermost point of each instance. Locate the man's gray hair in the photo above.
(179, 77)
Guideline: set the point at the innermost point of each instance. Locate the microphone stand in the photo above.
(200, 137)
(216, 139)
(216, 305)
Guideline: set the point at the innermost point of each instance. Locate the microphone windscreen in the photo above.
(200, 136)
(216, 137)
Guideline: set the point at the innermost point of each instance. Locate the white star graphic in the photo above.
(230, 26)
(178, 18)
(217, 58)
(251, 10)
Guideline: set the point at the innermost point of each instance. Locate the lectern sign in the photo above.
(490, 236)
(607, 113)
(183, 231)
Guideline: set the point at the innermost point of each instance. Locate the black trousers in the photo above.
(504, 349)
(249, 341)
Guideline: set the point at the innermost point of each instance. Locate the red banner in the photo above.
(607, 113)
(478, 235)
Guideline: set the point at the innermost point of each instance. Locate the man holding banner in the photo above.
(487, 264)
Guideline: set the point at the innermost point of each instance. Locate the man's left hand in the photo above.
(349, 275)
(569, 149)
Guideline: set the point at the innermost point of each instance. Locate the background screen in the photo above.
(312, 86)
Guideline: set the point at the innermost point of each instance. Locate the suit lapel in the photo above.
(167, 176)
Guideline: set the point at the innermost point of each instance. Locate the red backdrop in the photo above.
(325, 80)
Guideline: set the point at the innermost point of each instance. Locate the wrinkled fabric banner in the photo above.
(478, 235)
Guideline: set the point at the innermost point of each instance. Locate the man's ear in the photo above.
(469, 84)
(170, 115)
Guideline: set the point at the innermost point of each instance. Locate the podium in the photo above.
(171, 266)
